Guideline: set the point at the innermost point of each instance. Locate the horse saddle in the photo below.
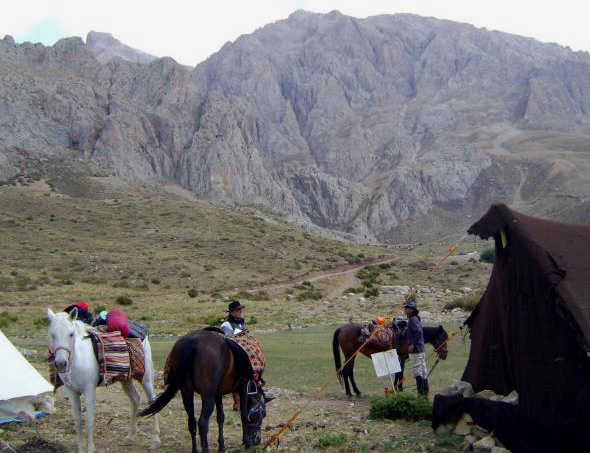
(383, 339)
(248, 354)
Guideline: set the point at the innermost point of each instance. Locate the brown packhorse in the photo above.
(206, 363)
(348, 336)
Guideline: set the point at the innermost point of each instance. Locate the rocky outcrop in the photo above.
(104, 47)
(358, 125)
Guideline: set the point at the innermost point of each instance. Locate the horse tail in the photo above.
(336, 351)
(180, 360)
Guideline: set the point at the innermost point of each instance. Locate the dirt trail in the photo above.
(346, 269)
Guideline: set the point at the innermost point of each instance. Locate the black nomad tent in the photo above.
(530, 332)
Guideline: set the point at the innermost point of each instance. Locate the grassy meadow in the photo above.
(177, 261)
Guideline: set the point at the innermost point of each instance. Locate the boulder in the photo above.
(463, 428)
(511, 398)
(459, 388)
(402, 290)
(500, 450)
(465, 290)
(487, 443)
(470, 440)
(485, 394)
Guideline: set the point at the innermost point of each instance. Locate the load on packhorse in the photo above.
(351, 336)
(84, 358)
(530, 333)
(211, 364)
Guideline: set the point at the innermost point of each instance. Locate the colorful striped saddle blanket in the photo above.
(383, 339)
(251, 347)
(119, 359)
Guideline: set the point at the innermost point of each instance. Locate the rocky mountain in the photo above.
(104, 47)
(392, 127)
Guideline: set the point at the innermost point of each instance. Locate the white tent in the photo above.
(21, 385)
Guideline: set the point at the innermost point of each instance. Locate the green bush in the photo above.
(401, 405)
(7, 318)
(487, 255)
(360, 289)
(371, 292)
(466, 303)
(41, 322)
(211, 320)
(124, 299)
(331, 440)
(312, 294)
(193, 292)
(253, 320)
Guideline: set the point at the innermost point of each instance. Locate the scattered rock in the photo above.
(465, 290)
(463, 428)
(511, 398)
(459, 388)
(487, 443)
(403, 290)
(485, 394)
(470, 440)
(500, 450)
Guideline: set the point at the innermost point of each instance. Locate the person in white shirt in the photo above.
(233, 323)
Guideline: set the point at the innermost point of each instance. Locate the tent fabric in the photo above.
(20, 382)
(530, 331)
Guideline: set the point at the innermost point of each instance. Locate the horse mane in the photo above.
(430, 333)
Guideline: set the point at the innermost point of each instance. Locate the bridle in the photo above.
(442, 344)
(259, 408)
(70, 352)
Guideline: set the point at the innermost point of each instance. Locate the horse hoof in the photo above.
(154, 445)
(128, 440)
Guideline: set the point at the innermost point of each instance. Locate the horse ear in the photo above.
(440, 328)
(50, 315)
(74, 314)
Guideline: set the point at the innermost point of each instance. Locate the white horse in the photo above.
(78, 369)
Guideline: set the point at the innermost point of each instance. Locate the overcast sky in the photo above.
(190, 30)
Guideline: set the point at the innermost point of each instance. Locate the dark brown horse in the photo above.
(348, 337)
(206, 363)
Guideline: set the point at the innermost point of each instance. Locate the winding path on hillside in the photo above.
(347, 270)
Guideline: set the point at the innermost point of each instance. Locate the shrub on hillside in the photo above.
(193, 292)
(331, 440)
(124, 299)
(487, 255)
(7, 318)
(466, 303)
(371, 292)
(312, 294)
(401, 405)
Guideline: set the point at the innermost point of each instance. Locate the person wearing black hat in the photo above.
(416, 347)
(233, 323)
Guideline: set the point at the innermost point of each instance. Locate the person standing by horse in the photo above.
(416, 347)
(232, 325)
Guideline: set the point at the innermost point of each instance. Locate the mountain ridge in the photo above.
(372, 127)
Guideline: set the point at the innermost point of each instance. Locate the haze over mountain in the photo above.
(391, 127)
